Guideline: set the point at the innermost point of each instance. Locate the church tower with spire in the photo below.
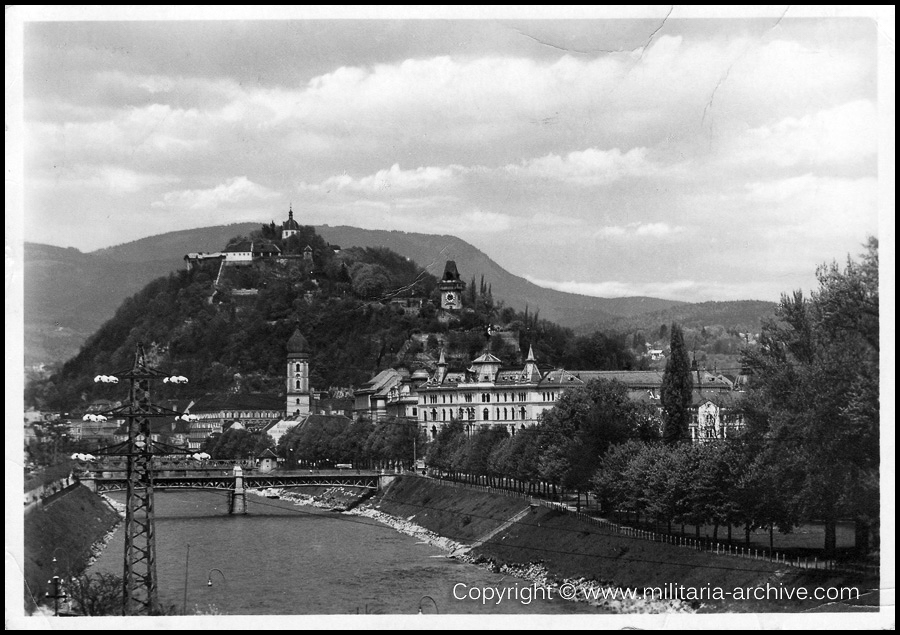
(298, 395)
(290, 226)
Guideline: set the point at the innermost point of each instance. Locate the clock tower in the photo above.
(451, 288)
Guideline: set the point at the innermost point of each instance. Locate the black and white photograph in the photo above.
(481, 318)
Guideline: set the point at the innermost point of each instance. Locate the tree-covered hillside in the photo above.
(231, 336)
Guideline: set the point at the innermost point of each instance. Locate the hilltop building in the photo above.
(247, 251)
(451, 288)
(290, 226)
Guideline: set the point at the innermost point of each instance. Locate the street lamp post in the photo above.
(209, 577)
(187, 559)
(58, 593)
(428, 597)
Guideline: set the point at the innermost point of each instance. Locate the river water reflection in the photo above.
(282, 559)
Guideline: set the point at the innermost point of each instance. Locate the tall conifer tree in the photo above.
(677, 386)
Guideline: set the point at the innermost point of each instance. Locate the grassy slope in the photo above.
(571, 548)
(66, 528)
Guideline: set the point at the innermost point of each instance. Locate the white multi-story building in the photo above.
(486, 394)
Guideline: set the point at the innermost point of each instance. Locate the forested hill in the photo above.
(55, 329)
(737, 315)
(429, 250)
(232, 338)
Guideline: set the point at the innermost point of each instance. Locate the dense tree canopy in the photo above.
(584, 424)
(237, 444)
(813, 409)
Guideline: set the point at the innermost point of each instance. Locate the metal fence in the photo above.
(704, 545)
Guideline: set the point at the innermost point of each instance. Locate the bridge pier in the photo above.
(384, 480)
(89, 481)
(238, 494)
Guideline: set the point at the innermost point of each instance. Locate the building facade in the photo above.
(485, 394)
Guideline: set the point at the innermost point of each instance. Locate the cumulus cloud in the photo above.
(845, 134)
(810, 207)
(234, 191)
(109, 179)
(393, 179)
(586, 167)
(638, 230)
(580, 167)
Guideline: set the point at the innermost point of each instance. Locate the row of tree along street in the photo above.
(327, 442)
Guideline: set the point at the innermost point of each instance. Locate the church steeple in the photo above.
(290, 226)
(298, 393)
(531, 368)
(441, 369)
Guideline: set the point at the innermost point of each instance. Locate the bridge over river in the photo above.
(111, 478)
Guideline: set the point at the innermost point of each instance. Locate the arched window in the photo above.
(522, 412)
(443, 414)
(485, 414)
(498, 413)
(297, 368)
(504, 414)
(298, 402)
(433, 432)
(434, 414)
(298, 384)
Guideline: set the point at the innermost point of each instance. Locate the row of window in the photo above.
(238, 414)
(485, 397)
(469, 414)
(726, 417)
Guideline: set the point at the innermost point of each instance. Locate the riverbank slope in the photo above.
(65, 528)
(571, 548)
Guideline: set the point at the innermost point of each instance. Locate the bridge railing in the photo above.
(162, 464)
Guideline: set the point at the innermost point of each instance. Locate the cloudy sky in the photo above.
(685, 158)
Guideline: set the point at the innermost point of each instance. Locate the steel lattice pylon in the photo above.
(140, 587)
(140, 584)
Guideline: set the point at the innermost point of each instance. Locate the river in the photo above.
(284, 559)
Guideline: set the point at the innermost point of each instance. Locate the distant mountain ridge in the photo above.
(69, 294)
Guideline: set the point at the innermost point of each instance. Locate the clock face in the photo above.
(450, 297)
